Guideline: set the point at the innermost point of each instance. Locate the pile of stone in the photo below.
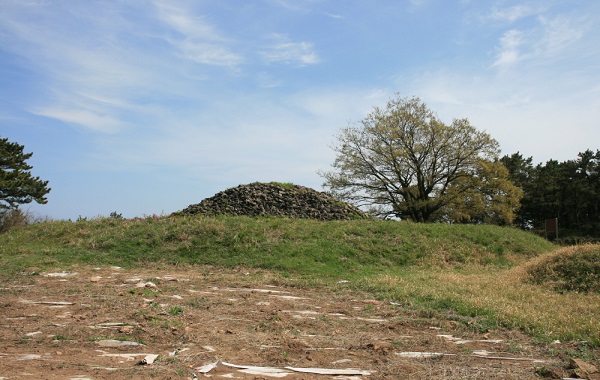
(276, 199)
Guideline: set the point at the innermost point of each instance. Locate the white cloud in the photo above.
(98, 75)
(182, 21)
(292, 5)
(508, 51)
(265, 80)
(178, 97)
(282, 49)
(334, 15)
(558, 34)
(207, 53)
(514, 13)
(543, 43)
(83, 118)
(246, 138)
(196, 39)
(535, 112)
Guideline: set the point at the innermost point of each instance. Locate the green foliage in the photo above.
(285, 185)
(573, 270)
(569, 191)
(491, 198)
(115, 215)
(17, 185)
(403, 162)
(175, 310)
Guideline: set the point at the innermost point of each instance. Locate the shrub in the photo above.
(13, 217)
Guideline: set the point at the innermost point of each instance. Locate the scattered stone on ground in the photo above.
(245, 324)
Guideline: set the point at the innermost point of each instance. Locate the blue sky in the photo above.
(145, 107)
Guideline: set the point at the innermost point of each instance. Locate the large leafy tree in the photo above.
(402, 161)
(17, 185)
(491, 198)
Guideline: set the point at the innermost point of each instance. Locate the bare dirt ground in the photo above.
(110, 323)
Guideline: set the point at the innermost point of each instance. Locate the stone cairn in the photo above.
(276, 199)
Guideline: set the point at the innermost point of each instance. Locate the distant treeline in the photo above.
(569, 191)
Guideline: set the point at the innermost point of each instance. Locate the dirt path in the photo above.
(104, 323)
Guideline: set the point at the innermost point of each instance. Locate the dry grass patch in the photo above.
(571, 269)
(492, 297)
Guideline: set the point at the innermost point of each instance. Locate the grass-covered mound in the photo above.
(304, 247)
(572, 269)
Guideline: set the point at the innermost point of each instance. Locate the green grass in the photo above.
(475, 274)
(297, 247)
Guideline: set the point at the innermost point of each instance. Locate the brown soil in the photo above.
(84, 324)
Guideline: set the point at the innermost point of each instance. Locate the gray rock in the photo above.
(276, 199)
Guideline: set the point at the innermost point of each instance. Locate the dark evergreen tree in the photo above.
(17, 185)
(569, 191)
(521, 173)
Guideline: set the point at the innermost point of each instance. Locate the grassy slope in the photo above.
(304, 247)
(464, 270)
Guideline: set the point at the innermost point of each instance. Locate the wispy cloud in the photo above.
(67, 64)
(92, 65)
(334, 15)
(283, 50)
(512, 14)
(549, 39)
(88, 119)
(559, 33)
(203, 95)
(207, 53)
(195, 38)
(508, 51)
(265, 80)
(418, 3)
(292, 5)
